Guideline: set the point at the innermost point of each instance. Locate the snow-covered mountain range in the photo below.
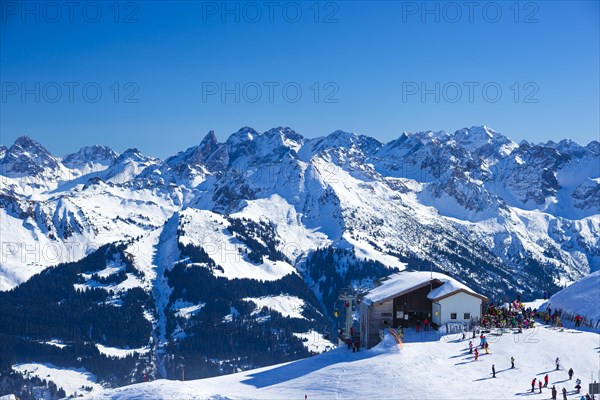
(528, 209)
(270, 226)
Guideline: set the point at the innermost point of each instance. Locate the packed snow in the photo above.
(315, 342)
(581, 297)
(427, 367)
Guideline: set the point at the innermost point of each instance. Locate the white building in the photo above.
(408, 297)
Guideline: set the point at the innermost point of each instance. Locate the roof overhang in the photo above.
(368, 301)
(483, 298)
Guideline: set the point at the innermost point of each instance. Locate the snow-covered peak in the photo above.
(26, 157)
(429, 136)
(286, 136)
(128, 165)
(568, 147)
(3, 150)
(92, 155)
(132, 154)
(243, 135)
(341, 141)
(594, 147)
(484, 142)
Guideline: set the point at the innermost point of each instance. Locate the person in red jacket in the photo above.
(546, 381)
(476, 354)
(426, 323)
(533, 386)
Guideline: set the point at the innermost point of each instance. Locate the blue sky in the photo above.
(170, 72)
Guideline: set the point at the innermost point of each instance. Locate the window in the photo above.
(453, 315)
(467, 315)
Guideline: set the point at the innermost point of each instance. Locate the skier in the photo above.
(487, 345)
(578, 385)
(512, 362)
(533, 386)
(554, 392)
(426, 323)
(557, 363)
(493, 371)
(571, 373)
(540, 386)
(470, 347)
(564, 392)
(546, 380)
(476, 354)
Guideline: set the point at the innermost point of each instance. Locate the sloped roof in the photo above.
(407, 281)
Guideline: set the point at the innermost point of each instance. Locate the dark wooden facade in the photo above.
(414, 303)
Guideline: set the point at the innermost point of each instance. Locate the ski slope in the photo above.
(582, 297)
(428, 367)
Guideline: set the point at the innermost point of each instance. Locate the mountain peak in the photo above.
(132, 154)
(210, 139)
(26, 142)
(94, 154)
(28, 157)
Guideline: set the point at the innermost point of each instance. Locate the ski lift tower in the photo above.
(348, 298)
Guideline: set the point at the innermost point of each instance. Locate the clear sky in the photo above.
(158, 76)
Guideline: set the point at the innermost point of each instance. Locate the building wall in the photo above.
(415, 301)
(459, 303)
(375, 316)
(436, 314)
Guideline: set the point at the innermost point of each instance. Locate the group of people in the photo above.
(516, 315)
(554, 390)
(425, 325)
(512, 315)
(555, 317)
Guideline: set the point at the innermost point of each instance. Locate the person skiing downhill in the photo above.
(557, 363)
(546, 380)
(493, 371)
(512, 362)
(578, 385)
(571, 373)
(470, 347)
(476, 354)
(540, 386)
(533, 386)
(564, 392)
(554, 392)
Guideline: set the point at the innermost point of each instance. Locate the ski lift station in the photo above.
(410, 297)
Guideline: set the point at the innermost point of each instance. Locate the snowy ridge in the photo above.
(581, 297)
